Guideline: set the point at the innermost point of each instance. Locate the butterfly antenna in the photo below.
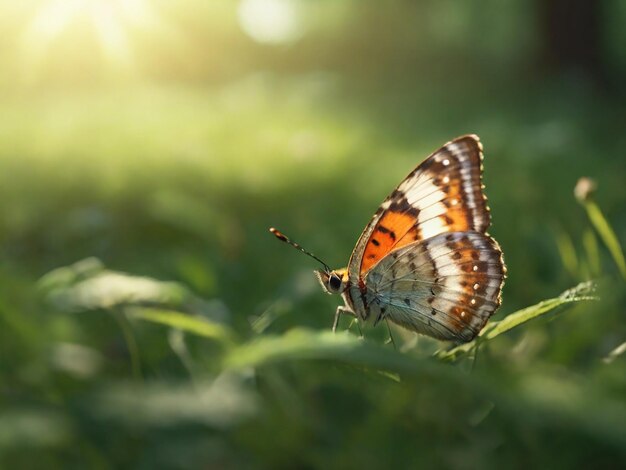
(282, 237)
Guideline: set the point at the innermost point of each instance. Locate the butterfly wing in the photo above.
(443, 195)
(446, 287)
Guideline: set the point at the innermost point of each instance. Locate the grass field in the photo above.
(148, 319)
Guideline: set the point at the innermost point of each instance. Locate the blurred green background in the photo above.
(154, 142)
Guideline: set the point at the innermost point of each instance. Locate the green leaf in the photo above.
(303, 344)
(191, 324)
(567, 251)
(298, 343)
(607, 234)
(576, 294)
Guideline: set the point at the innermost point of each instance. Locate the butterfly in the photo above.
(425, 261)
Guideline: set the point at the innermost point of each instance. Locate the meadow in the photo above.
(149, 320)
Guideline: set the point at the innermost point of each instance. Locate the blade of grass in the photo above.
(607, 234)
(302, 344)
(295, 344)
(567, 252)
(191, 324)
(270, 315)
(590, 243)
(496, 328)
(131, 342)
(617, 352)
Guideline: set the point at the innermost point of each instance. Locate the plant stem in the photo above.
(131, 344)
(606, 234)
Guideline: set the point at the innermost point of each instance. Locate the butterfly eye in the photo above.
(334, 282)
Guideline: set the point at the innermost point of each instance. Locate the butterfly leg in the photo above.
(341, 309)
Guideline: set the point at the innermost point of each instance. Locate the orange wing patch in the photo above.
(442, 195)
(455, 211)
(392, 231)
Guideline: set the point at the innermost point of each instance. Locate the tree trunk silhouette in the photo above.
(572, 37)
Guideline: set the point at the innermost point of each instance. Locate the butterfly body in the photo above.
(425, 261)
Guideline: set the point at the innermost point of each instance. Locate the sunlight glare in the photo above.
(110, 33)
(270, 21)
(109, 20)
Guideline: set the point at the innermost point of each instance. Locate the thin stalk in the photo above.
(131, 343)
(607, 234)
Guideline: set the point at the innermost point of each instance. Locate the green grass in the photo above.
(188, 337)
(149, 320)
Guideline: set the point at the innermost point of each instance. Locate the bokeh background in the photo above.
(147, 145)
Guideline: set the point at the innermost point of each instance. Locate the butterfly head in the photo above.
(333, 281)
